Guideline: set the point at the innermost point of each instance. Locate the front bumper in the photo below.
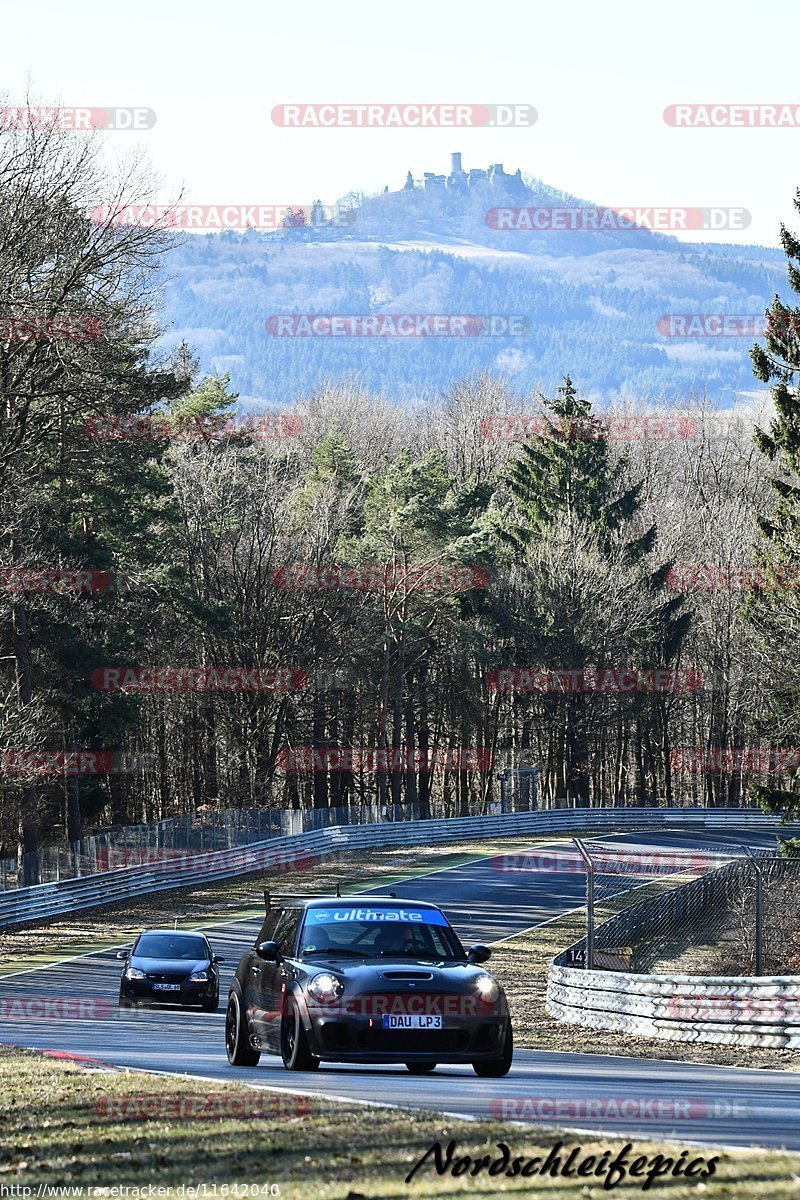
(188, 993)
(357, 1039)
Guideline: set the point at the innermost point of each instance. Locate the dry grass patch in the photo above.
(65, 1126)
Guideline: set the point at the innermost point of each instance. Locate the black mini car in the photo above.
(171, 967)
(366, 980)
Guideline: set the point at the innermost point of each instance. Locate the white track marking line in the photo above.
(613, 1134)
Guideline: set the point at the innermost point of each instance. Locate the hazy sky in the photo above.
(598, 75)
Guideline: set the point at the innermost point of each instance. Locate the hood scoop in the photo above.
(408, 974)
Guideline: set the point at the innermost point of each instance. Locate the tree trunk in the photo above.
(410, 773)
(397, 762)
(29, 803)
(319, 726)
(383, 717)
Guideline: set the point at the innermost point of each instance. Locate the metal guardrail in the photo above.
(725, 1010)
(746, 1010)
(293, 852)
(190, 833)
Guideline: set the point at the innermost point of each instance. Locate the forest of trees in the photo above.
(595, 302)
(461, 559)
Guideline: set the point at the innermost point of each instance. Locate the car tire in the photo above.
(211, 1005)
(237, 1036)
(421, 1068)
(123, 1003)
(495, 1068)
(295, 1050)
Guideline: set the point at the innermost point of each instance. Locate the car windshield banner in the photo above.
(428, 916)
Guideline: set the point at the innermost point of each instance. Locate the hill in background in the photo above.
(592, 300)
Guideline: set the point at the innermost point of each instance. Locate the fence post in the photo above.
(589, 903)
(759, 931)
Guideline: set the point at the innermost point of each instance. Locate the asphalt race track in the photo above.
(694, 1103)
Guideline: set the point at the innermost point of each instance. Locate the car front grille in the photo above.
(166, 978)
(414, 1041)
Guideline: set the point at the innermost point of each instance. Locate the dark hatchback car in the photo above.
(171, 967)
(366, 980)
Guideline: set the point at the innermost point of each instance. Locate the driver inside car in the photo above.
(317, 939)
(396, 939)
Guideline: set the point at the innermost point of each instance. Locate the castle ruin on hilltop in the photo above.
(460, 180)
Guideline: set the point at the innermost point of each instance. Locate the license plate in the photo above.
(399, 1021)
(167, 987)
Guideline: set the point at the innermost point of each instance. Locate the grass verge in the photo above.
(66, 1126)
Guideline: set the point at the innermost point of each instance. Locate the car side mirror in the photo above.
(123, 954)
(479, 954)
(217, 958)
(269, 952)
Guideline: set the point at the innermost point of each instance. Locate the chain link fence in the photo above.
(173, 839)
(676, 912)
(224, 829)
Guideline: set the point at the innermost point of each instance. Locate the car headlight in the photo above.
(488, 989)
(199, 977)
(325, 988)
(134, 973)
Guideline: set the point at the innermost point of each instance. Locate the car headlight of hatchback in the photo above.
(134, 973)
(487, 988)
(199, 977)
(325, 988)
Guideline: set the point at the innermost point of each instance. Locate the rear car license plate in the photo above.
(400, 1021)
(167, 987)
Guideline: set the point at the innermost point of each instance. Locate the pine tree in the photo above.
(69, 495)
(573, 537)
(774, 609)
(417, 522)
(567, 476)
